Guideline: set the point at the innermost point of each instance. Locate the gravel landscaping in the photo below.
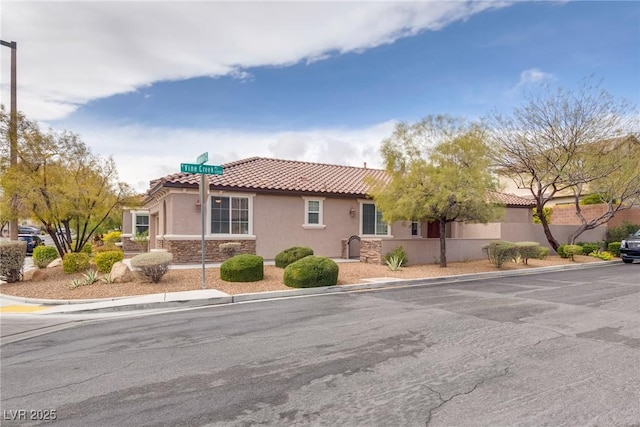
(53, 283)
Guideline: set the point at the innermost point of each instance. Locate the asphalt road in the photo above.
(556, 349)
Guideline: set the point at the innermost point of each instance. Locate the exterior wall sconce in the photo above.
(352, 212)
(198, 205)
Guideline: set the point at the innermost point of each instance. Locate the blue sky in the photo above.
(155, 84)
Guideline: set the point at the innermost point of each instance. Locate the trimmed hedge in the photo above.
(501, 252)
(74, 262)
(242, 268)
(528, 250)
(152, 265)
(105, 260)
(43, 255)
(571, 250)
(310, 272)
(12, 254)
(292, 255)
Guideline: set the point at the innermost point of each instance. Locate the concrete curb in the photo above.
(201, 298)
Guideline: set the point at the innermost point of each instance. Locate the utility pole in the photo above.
(13, 133)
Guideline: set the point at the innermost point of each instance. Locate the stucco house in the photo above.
(268, 205)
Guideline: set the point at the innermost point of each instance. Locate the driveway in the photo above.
(550, 349)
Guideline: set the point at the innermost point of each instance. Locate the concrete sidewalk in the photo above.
(11, 304)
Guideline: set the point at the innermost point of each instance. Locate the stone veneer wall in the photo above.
(344, 251)
(371, 251)
(129, 245)
(189, 251)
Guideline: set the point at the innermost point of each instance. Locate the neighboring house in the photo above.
(270, 204)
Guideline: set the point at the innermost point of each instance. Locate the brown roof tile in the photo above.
(259, 173)
(266, 174)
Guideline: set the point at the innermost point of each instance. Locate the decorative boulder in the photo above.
(120, 273)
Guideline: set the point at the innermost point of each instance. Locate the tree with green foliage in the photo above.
(581, 142)
(61, 184)
(439, 170)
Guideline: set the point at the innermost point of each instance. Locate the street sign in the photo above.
(202, 158)
(202, 169)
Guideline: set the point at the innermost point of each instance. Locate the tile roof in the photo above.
(510, 199)
(266, 174)
(259, 173)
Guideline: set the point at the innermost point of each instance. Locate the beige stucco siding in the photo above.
(279, 224)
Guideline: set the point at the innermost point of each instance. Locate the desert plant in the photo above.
(152, 265)
(398, 252)
(43, 255)
(12, 254)
(311, 271)
(75, 262)
(618, 233)
(543, 252)
(90, 277)
(603, 255)
(614, 248)
(242, 268)
(87, 248)
(107, 279)
(292, 255)
(571, 250)
(394, 262)
(230, 249)
(112, 237)
(502, 252)
(527, 250)
(76, 283)
(105, 260)
(589, 247)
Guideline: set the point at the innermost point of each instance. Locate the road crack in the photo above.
(444, 401)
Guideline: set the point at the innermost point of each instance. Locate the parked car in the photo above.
(27, 229)
(32, 241)
(630, 248)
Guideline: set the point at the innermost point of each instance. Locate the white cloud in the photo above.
(530, 77)
(70, 53)
(143, 154)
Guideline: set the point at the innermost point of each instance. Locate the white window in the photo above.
(372, 223)
(229, 215)
(140, 223)
(313, 212)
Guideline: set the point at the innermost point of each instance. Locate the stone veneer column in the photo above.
(371, 251)
(189, 251)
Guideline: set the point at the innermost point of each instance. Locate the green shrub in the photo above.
(589, 247)
(105, 248)
(87, 249)
(604, 255)
(501, 252)
(43, 255)
(152, 265)
(488, 248)
(310, 272)
(546, 212)
(561, 252)
(112, 237)
(543, 252)
(619, 233)
(12, 254)
(614, 248)
(527, 250)
(398, 252)
(74, 262)
(105, 260)
(291, 255)
(571, 250)
(242, 268)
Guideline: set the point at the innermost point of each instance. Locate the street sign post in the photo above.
(200, 168)
(202, 158)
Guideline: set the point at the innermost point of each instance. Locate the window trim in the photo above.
(134, 221)
(361, 220)
(249, 197)
(306, 224)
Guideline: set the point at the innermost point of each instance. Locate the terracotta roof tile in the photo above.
(260, 173)
(510, 199)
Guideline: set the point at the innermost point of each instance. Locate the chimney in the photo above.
(365, 165)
